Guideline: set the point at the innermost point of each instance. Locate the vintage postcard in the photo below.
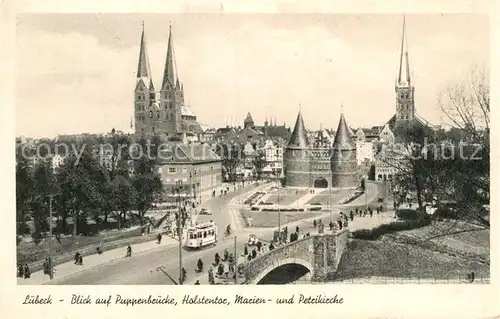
(330, 156)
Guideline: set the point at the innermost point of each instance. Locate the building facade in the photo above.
(273, 156)
(193, 166)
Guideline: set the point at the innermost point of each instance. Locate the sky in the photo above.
(77, 72)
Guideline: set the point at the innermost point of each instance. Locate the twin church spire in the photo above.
(170, 76)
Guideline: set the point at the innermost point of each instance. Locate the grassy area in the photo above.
(387, 258)
(28, 252)
(337, 196)
(270, 219)
(444, 257)
(286, 196)
(474, 242)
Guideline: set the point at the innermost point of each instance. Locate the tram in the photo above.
(201, 235)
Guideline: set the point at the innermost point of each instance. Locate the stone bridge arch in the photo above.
(281, 262)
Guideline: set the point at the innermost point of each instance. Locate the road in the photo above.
(142, 268)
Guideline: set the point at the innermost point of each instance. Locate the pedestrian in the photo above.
(271, 246)
(220, 269)
(149, 230)
(99, 251)
(314, 223)
(340, 224)
(254, 253)
(46, 267)
(197, 282)
(226, 254)
(371, 212)
(158, 238)
(27, 272)
(217, 259)
(80, 260)
(297, 229)
(20, 271)
(245, 251)
(77, 257)
(352, 215)
(259, 245)
(129, 251)
(330, 225)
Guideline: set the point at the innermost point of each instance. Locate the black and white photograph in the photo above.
(252, 149)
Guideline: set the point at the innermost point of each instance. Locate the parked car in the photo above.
(252, 240)
(205, 211)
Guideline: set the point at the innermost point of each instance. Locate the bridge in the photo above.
(318, 256)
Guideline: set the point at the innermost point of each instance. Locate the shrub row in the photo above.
(410, 214)
(253, 198)
(375, 233)
(351, 198)
(282, 209)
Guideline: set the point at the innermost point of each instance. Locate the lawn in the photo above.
(270, 219)
(385, 258)
(28, 252)
(476, 242)
(286, 196)
(337, 196)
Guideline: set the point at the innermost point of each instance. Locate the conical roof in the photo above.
(169, 75)
(343, 140)
(299, 136)
(249, 118)
(143, 68)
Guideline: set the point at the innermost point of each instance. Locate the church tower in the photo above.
(343, 161)
(171, 94)
(146, 110)
(405, 104)
(296, 157)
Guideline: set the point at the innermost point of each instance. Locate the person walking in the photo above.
(80, 260)
(158, 238)
(27, 272)
(129, 251)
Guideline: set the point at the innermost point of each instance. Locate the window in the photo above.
(172, 170)
(184, 170)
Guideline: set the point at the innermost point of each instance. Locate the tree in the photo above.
(148, 188)
(24, 189)
(259, 162)
(231, 155)
(44, 185)
(452, 164)
(124, 197)
(466, 105)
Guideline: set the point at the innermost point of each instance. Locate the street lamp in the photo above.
(177, 190)
(50, 265)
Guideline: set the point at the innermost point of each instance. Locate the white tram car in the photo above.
(201, 235)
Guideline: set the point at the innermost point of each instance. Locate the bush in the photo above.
(254, 208)
(410, 214)
(313, 209)
(375, 233)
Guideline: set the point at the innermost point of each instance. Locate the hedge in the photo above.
(375, 233)
(282, 209)
(409, 214)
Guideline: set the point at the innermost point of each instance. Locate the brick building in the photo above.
(321, 164)
(195, 166)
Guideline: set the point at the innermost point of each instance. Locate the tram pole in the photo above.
(235, 263)
(51, 270)
(279, 218)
